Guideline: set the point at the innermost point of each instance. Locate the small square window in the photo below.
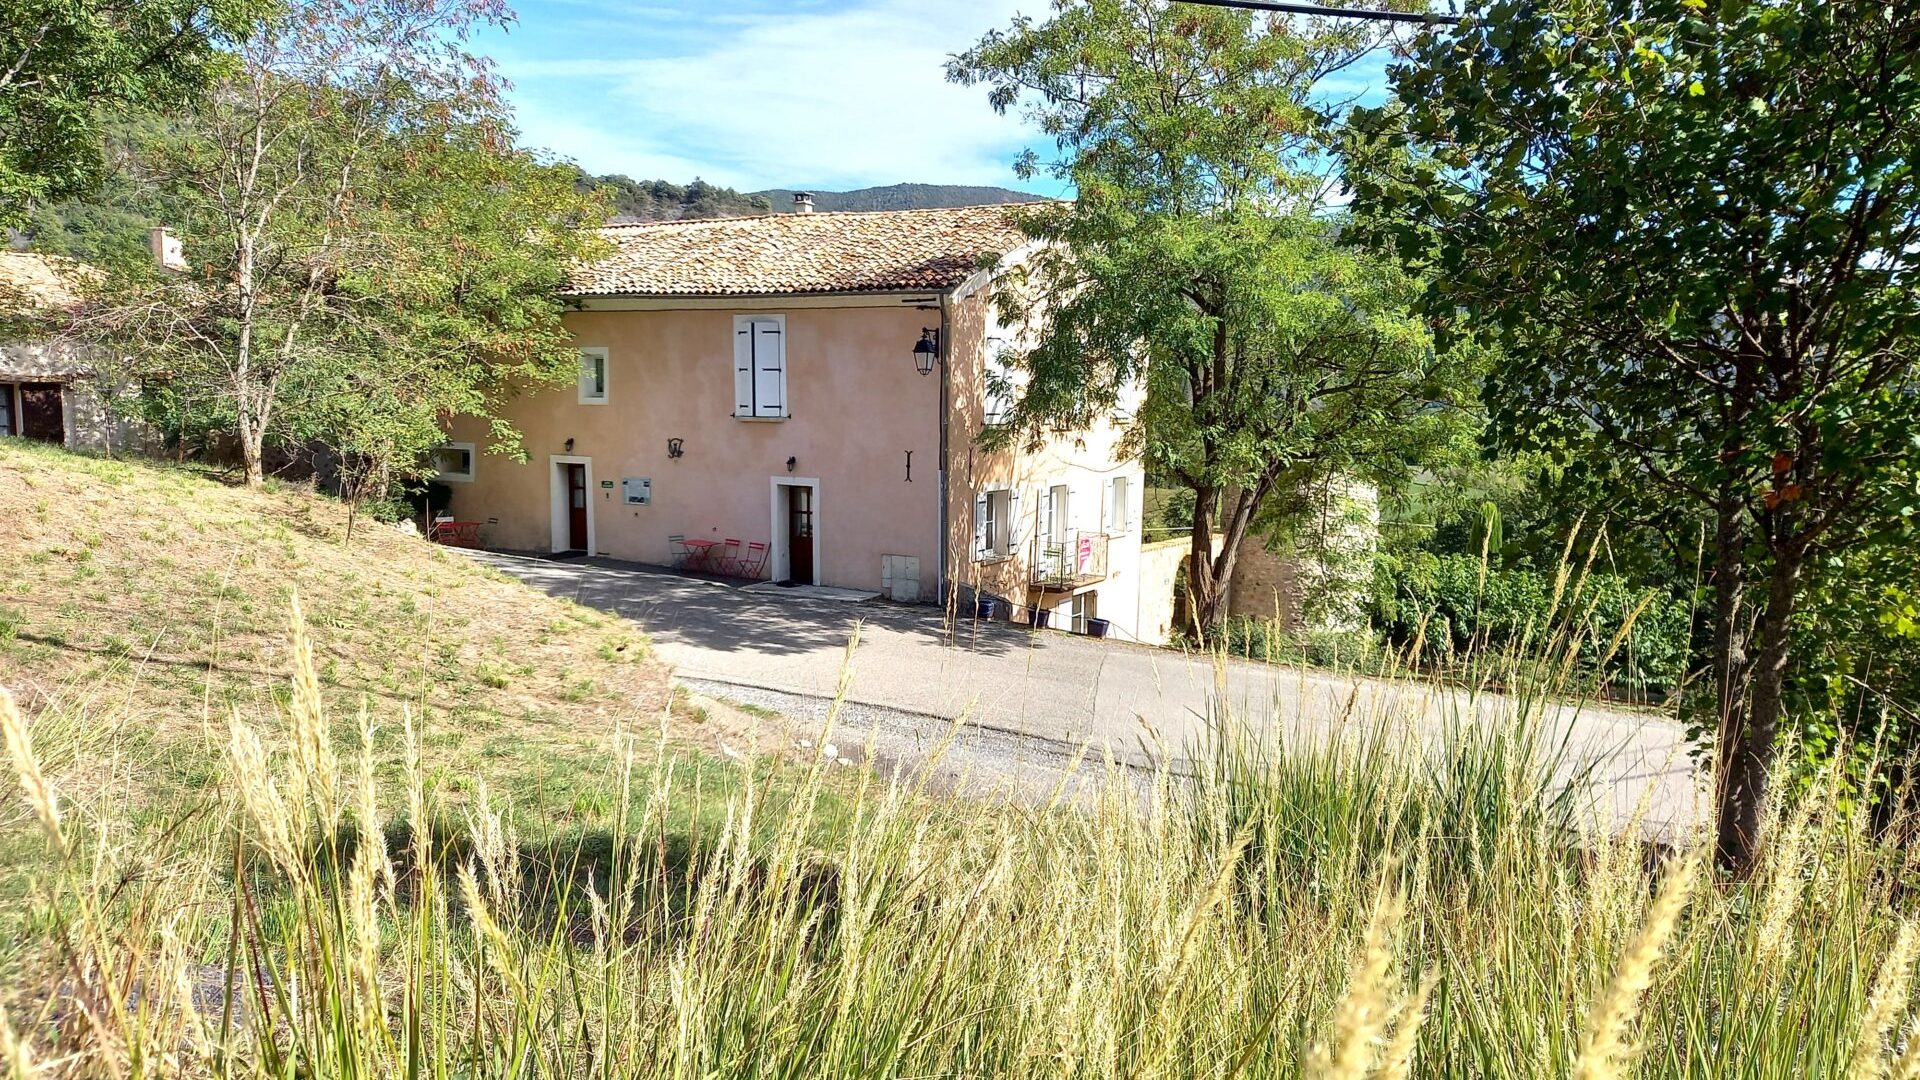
(593, 376)
(454, 461)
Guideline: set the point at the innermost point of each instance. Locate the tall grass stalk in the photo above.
(1370, 901)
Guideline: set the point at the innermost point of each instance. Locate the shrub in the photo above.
(1453, 605)
(1264, 639)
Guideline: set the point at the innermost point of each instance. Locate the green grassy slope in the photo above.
(154, 602)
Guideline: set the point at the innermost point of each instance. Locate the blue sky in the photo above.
(826, 94)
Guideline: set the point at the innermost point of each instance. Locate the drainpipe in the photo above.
(946, 375)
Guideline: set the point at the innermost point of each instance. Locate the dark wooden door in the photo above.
(7, 426)
(800, 535)
(40, 412)
(577, 508)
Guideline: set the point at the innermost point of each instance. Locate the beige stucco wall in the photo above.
(1084, 462)
(1160, 568)
(96, 399)
(857, 407)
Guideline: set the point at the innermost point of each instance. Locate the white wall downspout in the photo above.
(946, 377)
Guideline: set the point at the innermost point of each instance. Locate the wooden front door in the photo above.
(40, 412)
(576, 507)
(800, 535)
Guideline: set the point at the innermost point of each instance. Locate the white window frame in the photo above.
(1120, 505)
(587, 397)
(996, 532)
(1059, 513)
(996, 409)
(473, 460)
(744, 323)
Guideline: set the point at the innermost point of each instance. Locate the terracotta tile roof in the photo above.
(886, 251)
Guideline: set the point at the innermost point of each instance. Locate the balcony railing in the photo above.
(1079, 558)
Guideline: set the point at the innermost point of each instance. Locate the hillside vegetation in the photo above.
(663, 200)
(150, 603)
(898, 197)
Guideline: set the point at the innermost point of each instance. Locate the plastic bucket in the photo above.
(983, 607)
(1038, 616)
(1098, 627)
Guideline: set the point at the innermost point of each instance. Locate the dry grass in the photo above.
(142, 605)
(333, 900)
(1289, 911)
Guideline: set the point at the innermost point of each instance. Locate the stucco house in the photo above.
(52, 389)
(801, 396)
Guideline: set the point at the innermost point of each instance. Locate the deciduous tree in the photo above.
(1203, 261)
(65, 64)
(1695, 226)
(369, 248)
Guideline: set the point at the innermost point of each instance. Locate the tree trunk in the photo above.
(1728, 581)
(1210, 574)
(1199, 599)
(251, 426)
(1747, 757)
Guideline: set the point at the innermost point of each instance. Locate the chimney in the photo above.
(166, 250)
(803, 202)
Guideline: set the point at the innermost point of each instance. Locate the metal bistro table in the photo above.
(702, 551)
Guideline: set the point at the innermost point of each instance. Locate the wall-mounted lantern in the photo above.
(676, 447)
(791, 462)
(569, 446)
(926, 351)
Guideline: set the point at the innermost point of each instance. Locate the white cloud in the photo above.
(800, 97)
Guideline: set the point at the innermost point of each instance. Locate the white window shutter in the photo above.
(1015, 532)
(743, 369)
(980, 538)
(769, 370)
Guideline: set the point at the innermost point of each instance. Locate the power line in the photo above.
(1332, 12)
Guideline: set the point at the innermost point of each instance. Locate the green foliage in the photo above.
(900, 197)
(107, 226)
(659, 200)
(1456, 605)
(389, 258)
(1199, 264)
(66, 64)
(1268, 641)
(1694, 227)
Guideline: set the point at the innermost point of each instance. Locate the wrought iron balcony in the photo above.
(1066, 563)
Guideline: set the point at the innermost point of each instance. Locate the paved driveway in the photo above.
(1052, 689)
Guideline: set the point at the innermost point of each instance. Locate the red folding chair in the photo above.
(755, 562)
(727, 559)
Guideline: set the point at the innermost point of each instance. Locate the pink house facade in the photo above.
(799, 398)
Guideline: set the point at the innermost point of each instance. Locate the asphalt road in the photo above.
(1033, 699)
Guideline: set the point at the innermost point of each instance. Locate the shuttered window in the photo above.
(996, 524)
(760, 367)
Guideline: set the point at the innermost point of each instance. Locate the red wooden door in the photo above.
(577, 508)
(800, 535)
(40, 412)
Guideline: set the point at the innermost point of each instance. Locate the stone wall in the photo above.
(1266, 585)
